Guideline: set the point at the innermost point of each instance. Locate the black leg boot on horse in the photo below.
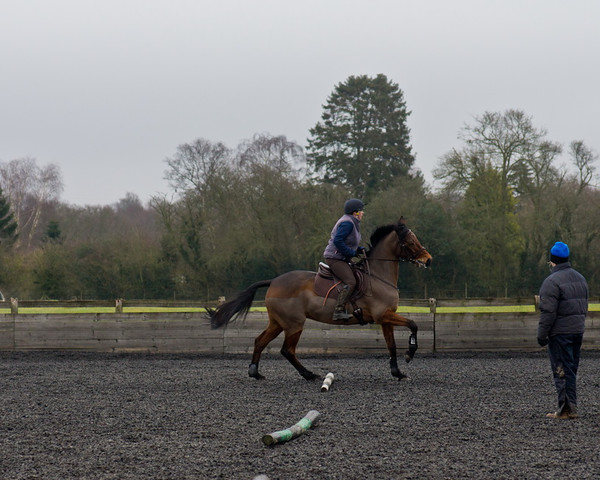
(339, 313)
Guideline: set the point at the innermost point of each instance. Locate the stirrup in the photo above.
(341, 316)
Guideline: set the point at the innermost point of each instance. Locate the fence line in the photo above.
(173, 332)
(118, 304)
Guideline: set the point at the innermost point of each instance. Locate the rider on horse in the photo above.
(342, 246)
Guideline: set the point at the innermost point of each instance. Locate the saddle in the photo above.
(327, 285)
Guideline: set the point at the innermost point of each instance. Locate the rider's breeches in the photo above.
(343, 271)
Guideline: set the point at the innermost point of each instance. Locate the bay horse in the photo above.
(290, 299)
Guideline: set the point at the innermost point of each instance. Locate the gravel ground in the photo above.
(136, 416)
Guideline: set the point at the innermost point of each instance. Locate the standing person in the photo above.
(563, 306)
(343, 245)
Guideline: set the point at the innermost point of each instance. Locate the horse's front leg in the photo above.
(412, 342)
(388, 334)
(389, 321)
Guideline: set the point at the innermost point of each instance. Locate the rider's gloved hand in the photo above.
(359, 256)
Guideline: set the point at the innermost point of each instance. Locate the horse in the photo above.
(291, 299)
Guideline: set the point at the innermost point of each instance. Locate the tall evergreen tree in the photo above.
(362, 141)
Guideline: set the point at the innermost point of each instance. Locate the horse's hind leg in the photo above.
(288, 350)
(266, 337)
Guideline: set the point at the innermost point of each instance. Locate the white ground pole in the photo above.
(327, 382)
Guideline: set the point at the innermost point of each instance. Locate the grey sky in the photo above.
(108, 89)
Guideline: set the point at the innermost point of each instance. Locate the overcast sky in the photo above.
(107, 89)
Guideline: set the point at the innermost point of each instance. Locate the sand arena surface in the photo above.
(141, 416)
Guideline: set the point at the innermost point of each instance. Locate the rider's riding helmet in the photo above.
(353, 205)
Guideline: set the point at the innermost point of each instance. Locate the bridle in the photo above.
(414, 255)
(412, 258)
(403, 245)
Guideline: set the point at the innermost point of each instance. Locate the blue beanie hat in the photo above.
(559, 253)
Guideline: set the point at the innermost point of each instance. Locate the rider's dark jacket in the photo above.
(345, 238)
(563, 302)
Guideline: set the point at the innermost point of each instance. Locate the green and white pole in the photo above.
(294, 431)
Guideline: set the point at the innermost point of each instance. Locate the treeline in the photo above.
(236, 216)
(102, 252)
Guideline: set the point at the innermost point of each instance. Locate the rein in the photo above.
(411, 260)
(383, 281)
(367, 271)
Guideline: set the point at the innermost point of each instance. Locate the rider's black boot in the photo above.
(340, 314)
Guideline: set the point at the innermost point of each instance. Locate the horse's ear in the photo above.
(401, 228)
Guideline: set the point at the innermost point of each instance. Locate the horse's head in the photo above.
(411, 249)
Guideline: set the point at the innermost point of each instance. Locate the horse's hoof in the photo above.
(396, 373)
(408, 356)
(253, 372)
(310, 376)
(399, 375)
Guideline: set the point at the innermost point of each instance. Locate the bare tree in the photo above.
(30, 188)
(583, 159)
(17, 178)
(507, 142)
(195, 164)
(277, 153)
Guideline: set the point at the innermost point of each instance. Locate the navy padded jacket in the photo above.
(563, 302)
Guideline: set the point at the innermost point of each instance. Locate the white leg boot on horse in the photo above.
(340, 314)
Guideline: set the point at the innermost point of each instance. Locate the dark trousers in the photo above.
(564, 351)
(343, 271)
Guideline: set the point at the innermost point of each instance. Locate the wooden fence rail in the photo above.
(190, 332)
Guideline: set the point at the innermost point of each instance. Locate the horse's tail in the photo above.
(238, 307)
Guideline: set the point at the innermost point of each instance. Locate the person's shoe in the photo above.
(573, 415)
(560, 416)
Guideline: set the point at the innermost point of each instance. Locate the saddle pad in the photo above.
(323, 286)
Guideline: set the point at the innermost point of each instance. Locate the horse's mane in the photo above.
(379, 234)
